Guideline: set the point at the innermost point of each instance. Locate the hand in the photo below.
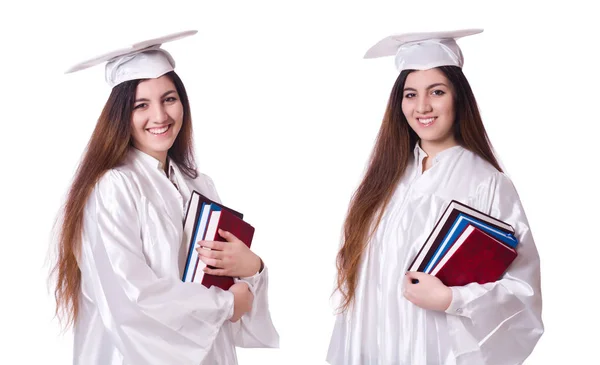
(231, 258)
(428, 293)
(242, 300)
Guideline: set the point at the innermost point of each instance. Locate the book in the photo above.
(194, 222)
(198, 227)
(475, 257)
(191, 215)
(457, 228)
(227, 221)
(444, 225)
(202, 220)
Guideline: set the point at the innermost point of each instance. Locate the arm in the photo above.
(150, 319)
(500, 322)
(255, 328)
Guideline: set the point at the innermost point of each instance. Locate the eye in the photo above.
(438, 92)
(140, 106)
(410, 95)
(171, 99)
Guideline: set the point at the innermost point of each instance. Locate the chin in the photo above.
(160, 147)
(428, 138)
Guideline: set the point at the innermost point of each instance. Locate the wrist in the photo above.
(259, 265)
(447, 299)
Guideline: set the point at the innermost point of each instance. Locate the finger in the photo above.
(230, 237)
(416, 275)
(217, 272)
(211, 254)
(408, 295)
(408, 281)
(411, 274)
(215, 245)
(212, 262)
(409, 278)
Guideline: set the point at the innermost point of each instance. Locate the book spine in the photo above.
(198, 235)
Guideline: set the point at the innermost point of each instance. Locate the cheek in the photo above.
(137, 123)
(176, 113)
(406, 108)
(137, 129)
(446, 106)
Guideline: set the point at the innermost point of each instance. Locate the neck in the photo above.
(432, 148)
(165, 165)
(161, 157)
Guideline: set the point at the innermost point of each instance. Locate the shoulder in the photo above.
(117, 183)
(204, 184)
(479, 168)
(485, 180)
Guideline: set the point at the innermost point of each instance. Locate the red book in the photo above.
(228, 221)
(475, 257)
(194, 227)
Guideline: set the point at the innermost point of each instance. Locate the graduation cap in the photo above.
(422, 51)
(142, 60)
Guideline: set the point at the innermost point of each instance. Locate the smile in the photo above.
(426, 122)
(159, 131)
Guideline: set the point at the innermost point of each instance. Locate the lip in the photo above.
(161, 134)
(419, 119)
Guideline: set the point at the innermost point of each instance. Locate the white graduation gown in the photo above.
(497, 323)
(134, 308)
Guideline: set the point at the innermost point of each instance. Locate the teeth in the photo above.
(158, 130)
(426, 121)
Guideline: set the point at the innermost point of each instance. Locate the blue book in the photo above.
(459, 225)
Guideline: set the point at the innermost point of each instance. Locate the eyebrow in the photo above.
(428, 87)
(162, 96)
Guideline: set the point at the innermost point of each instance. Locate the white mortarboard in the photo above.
(143, 60)
(422, 51)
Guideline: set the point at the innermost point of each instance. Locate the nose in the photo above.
(159, 114)
(423, 105)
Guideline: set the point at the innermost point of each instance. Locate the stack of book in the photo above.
(467, 246)
(203, 219)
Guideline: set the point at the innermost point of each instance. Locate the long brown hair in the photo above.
(106, 149)
(389, 159)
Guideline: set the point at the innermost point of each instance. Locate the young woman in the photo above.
(432, 148)
(121, 253)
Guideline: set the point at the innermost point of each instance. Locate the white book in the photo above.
(193, 254)
(211, 233)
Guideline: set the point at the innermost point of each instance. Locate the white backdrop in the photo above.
(285, 114)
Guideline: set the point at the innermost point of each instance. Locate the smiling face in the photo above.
(428, 105)
(157, 117)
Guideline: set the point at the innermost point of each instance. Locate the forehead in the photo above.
(424, 78)
(151, 87)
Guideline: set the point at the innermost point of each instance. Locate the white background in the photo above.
(285, 114)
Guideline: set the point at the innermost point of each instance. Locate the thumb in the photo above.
(413, 276)
(230, 237)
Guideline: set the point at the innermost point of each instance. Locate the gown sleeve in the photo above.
(500, 323)
(150, 319)
(255, 328)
